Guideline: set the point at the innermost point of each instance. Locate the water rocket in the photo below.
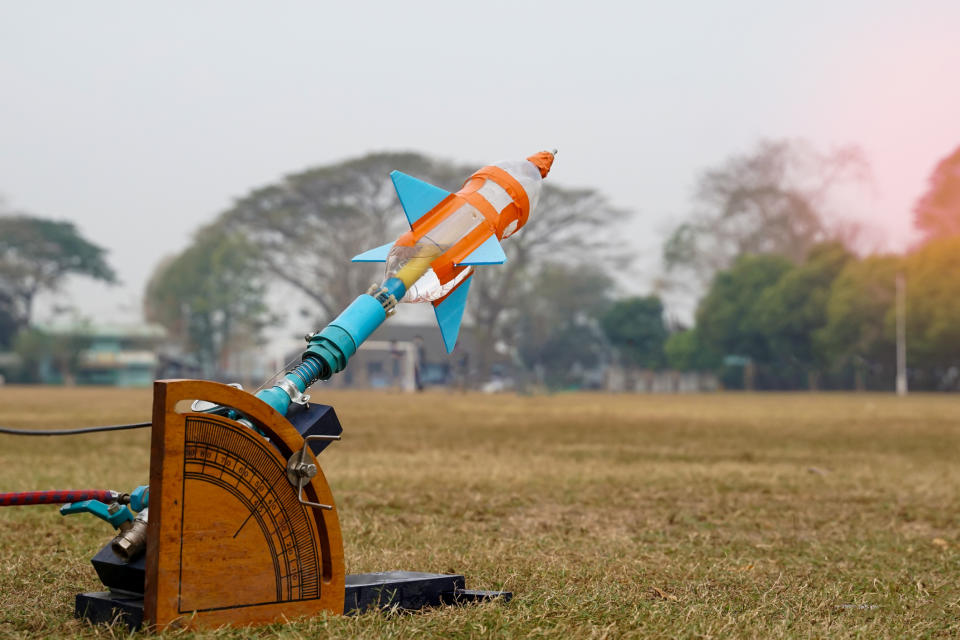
(450, 234)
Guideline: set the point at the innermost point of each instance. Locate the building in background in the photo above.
(112, 355)
(407, 358)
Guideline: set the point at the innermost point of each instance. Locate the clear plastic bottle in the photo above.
(411, 264)
(529, 177)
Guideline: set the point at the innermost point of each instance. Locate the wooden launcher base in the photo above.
(229, 540)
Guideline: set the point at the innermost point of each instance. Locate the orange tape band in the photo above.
(444, 267)
(509, 184)
(430, 219)
(484, 207)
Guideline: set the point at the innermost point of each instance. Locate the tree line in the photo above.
(828, 322)
(784, 300)
(796, 307)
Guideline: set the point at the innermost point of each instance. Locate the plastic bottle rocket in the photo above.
(451, 233)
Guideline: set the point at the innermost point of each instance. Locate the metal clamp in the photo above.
(300, 470)
(296, 397)
(386, 299)
(205, 406)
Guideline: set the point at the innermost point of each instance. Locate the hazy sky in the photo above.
(139, 122)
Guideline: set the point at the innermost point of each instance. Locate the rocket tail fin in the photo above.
(490, 252)
(416, 196)
(449, 312)
(378, 254)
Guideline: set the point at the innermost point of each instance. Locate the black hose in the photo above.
(72, 432)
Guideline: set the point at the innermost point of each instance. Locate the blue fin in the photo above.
(490, 252)
(416, 196)
(373, 255)
(450, 313)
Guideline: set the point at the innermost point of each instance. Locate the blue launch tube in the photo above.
(329, 350)
(340, 339)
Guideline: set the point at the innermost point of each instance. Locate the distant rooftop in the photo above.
(90, 330)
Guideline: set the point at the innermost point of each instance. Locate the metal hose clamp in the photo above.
(295, 396)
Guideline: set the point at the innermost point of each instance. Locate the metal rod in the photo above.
(306, 471)
(901, 335)
(318, 505)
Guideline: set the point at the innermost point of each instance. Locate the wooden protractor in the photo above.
(230, 541)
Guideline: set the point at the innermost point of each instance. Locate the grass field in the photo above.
(725, 515)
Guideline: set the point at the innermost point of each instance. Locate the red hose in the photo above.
(14, 498)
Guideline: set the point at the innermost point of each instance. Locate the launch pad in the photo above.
(243, 528)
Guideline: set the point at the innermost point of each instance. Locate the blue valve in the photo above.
(116, 517)
(140, 498)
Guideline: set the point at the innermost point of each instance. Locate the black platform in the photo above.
(405, 590)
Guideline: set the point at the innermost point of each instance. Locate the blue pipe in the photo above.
(329, 350)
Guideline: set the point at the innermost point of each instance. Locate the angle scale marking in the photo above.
(230, 542)
(240, 483)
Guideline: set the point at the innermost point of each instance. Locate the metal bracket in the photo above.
(300, 470)
(205, 406)
(296, 397)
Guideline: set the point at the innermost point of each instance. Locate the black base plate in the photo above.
(406, 590)
(110, 606)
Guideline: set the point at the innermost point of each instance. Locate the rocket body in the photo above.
(441, 248)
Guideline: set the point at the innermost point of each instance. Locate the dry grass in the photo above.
(608, 516)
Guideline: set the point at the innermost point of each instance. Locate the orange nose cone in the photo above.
(543, 161)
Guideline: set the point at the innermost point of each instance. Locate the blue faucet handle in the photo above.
(115, 513)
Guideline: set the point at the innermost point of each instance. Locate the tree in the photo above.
(791, 311)
(771, 201)
(209, 297)
(727, 318)
(860, 329)
(309, 225)
(9, 324)
(568, 224)
(859, 332)
(35, 256)
(635, 327)
(556, 327)
(937, 213)
(685, 351)
(933, 307)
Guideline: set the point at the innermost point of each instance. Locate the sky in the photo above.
(140, 122)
